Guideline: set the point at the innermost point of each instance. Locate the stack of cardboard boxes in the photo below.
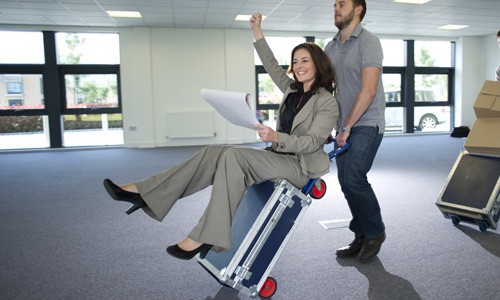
(484, 137)
(471, 192)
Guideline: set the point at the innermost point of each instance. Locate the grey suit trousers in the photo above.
(230, 170)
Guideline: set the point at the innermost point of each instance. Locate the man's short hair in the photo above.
(362, 3)
(498, 33)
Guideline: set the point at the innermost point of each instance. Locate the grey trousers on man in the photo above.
(230, 170)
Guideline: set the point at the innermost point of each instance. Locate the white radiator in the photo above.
(183, 125)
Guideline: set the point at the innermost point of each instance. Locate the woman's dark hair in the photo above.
(325, 73)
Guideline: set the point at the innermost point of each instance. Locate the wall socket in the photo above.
(132, 128)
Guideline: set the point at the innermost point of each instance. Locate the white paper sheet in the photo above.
(233, 106)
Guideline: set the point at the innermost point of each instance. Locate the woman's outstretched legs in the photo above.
(230, 170)
(240, 167)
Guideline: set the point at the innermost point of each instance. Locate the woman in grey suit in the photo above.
(307, 115)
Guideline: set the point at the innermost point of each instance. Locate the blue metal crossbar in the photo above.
(308, 187)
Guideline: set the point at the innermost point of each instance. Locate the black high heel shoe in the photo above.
(177, 252)
(120, 194)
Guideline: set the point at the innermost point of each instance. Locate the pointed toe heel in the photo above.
(177, 252)
(120, 194)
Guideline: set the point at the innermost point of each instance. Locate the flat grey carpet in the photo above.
(62, 237)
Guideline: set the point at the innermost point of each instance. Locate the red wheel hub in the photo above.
(317, 194)
(269, 288)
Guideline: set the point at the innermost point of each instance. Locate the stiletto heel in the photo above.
(177, 252)
(204, 251)
(120, 194)
(132, 209)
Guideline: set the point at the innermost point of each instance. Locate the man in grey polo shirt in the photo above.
(357, 57)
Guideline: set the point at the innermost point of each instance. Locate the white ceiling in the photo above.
(384, 17)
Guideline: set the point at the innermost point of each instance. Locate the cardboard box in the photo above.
(484, 137)
(488, 101)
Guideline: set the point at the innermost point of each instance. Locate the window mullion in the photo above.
(409, 86)
(52, 88)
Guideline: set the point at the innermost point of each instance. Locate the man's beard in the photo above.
(342, 24)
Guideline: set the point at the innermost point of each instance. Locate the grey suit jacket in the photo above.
(311, 126)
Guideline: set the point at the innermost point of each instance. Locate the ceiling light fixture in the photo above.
(124, 14)
(245, 17)
(453, 27)
(412, 1)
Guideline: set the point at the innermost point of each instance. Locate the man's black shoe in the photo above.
(353, 248)
(371, 248)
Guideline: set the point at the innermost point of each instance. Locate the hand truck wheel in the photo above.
(483, 226)
(269, 288)
(316, 193)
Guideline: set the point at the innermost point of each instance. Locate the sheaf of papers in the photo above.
(233, 106)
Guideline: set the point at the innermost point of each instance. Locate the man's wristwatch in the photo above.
(345, 129)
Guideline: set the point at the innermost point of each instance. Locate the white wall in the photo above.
(492, 56)
(468, 79)
(163, 71)
(137, 88)
(477, 59)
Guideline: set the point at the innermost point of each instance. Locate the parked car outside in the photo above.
(426, 117)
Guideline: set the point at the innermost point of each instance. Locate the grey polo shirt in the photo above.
(363, 49)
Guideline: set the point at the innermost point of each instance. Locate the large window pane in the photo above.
(392, 87)
(21, 47)
(93, 130)
(87, 48)
(91, 90)
(394, 51)
(432, 118)
(21, 91)
(18, 132)
(394, 117)
(432, 54)
(269, 93)
(431, 87)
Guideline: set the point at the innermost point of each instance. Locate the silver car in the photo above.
(426, 117)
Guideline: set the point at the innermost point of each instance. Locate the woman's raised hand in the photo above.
(255, 25)
(256, 20)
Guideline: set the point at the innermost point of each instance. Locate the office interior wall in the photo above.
(477, 59)
(492, 55)
(175, 65)
(468, 79)
(136, 87)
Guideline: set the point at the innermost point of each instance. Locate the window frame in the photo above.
(22, 69)
(89, 70)
(54, 88)
(407, 73)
